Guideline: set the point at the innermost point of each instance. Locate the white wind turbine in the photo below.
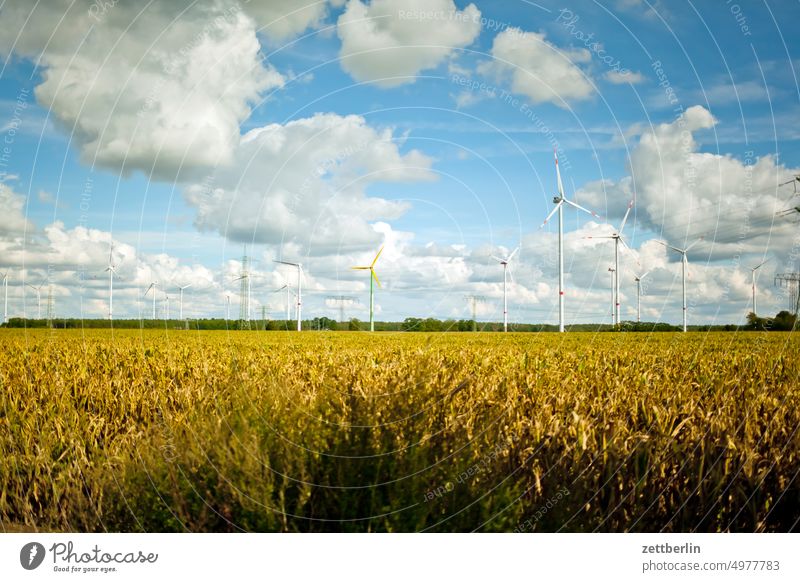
(617, 238)
(613, 272)
(288, 300)
(753, 280)
(505, 263)
(5, 298)
(559, 201)
(227, 307)
(299, 267)
(112, 271)
(166, 306)
(180, 304)
(684, 265)
(38, 298)
(153, 286)
(638, 279)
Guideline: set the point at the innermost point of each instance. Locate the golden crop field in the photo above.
(276, 431)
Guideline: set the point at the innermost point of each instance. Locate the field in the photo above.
(277, 431)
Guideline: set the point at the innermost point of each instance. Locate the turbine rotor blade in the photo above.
(375, 260)
(552, 212)
(579, 207)
(558, 175)
(511, 256)
(375, 276)
(624, 220)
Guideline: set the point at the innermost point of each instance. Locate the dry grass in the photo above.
(212, 431)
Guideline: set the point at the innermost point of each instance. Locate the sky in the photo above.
(188, 133)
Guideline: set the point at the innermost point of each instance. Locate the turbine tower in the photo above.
(180, 300)
(506, 272)
(299, 267)
(112, 271)
(5, 298)
(227, 308)
(684, 265)
(617, 238)
(244, 293)
(373, 277)
(613, 272)
(153, 286)
(38, 298)
(638, 280)
(753, 280)
(288, 301)
(559, 201)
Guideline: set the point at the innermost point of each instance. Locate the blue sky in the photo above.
(322, 132)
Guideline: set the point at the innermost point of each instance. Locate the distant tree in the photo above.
(355, 325)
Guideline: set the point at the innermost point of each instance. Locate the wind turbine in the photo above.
(505, 263)
(153, 286)
(227, 308)
(38, 298)
(617, 238)
(559, 201)
(180, 308)
(166, 306)
(373, 276)
(299, 290)
(638, 280)
(112, 270)
(613, 272)
(5, 300)
(753, 279)
(288, 300)
(684, 264)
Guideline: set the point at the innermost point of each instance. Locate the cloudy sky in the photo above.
(186, 131)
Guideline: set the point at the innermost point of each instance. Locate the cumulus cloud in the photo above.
(14, 223)
(536, 68)
(307, 180)
(284, 19)
(391, 41)
(683, 193)
(158, 90)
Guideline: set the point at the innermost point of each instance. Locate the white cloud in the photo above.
(307, 181)
(14, 223)
(536, 68)
(160, 89)
(284, 19)
(624, 77)
(391, 41)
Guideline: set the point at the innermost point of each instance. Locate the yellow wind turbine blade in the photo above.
(361, 268)
(375, 260)
(374, 274)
